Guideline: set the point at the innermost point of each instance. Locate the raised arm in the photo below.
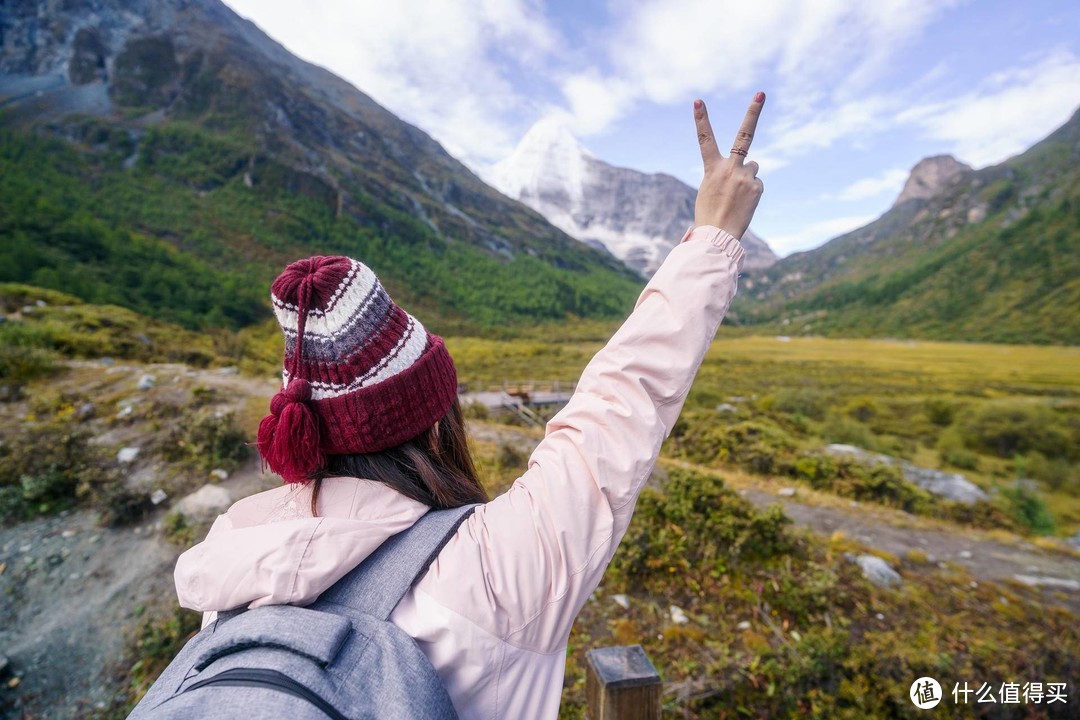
(543, 546)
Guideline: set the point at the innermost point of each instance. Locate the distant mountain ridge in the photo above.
(990, 254)
(187, 93)
(637, 217)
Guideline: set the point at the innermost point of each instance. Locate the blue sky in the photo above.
(859, 90)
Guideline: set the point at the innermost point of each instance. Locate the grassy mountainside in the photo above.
(173, 235)
(995, 257)
(170, 158)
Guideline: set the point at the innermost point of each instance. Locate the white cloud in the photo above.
(889, 182)
(814, 234)
(1007, 113)
(823, 51)
(441, 65)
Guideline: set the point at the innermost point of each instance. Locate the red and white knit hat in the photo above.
(360, 374)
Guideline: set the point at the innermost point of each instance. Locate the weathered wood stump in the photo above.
(621, 684)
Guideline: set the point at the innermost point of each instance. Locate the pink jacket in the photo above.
(495, 609)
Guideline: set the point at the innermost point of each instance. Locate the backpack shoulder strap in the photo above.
(376, 586)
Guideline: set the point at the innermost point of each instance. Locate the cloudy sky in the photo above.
(858, 90)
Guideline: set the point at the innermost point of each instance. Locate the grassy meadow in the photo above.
(996, 413)
(780, 624)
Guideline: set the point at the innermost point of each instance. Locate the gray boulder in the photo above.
(877, 570)
(951, 486)
(205, 503)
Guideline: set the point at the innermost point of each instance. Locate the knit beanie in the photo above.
(359, 373)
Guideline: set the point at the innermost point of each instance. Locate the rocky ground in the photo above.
(73, 593)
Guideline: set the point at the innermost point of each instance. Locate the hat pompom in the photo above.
(290, 440)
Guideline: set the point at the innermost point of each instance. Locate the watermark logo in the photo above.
(925, 693)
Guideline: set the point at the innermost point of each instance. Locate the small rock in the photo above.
(158, 496)
(219, 474)
(106, 361)
(125, 411)
(127, 454)
(205, 503)
(622, 601)
(1045, 581)
(85, 410)
(965, 554)
(1074, 541)
(27, 309)
(880, 616)
(41, 303)
(877, 570)
(726, 408)
(144, 339)
(744, 625)
(854, 503)
(13, 682)
(74, 576)
(973, 584)
(146, 382)
(786, 492)
(677, 615)
(67, 534)
(230, 370)
(26, 548)
(54, 560)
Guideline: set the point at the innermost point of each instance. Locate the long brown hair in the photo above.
(434, 468)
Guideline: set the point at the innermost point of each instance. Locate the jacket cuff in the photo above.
(720, 239)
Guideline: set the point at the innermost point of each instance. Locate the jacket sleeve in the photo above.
(543, 545)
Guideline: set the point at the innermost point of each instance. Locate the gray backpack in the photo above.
(338, 658)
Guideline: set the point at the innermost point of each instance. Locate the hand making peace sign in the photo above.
(730, 190)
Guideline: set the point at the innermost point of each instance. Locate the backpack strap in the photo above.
(376, 586)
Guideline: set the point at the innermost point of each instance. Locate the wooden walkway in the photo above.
(520, 398)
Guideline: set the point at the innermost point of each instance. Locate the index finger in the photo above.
(710, 153)
(745, 136)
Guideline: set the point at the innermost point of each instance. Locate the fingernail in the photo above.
(697, 104)
(759, 98)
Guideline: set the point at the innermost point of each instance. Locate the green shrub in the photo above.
(1028, 509)
(960, 458)
(208, 438)
(1008, 427)
(757, 446)
(839, 429)
(509, 457)
(1058, 474)
(48, 467)
(20, 365)
(940, 412)
(697, 528)
(807, 402)
(862, 409)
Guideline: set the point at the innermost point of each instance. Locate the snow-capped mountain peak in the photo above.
(635, 216)
(547, 156)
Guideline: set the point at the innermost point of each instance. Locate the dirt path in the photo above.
(986, 559)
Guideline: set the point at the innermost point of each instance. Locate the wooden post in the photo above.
(621, 684)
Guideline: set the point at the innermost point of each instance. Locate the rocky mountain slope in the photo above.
(990, 254)
(637, 217)
(186, 125)
(930, 177)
